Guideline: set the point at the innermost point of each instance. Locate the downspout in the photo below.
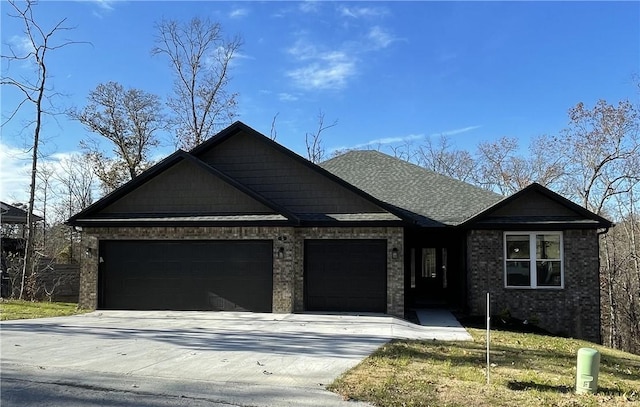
(609, 293)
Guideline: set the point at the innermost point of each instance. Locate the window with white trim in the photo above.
(533, 260)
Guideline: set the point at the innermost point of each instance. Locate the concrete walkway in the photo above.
(442, 324)
(234, 358)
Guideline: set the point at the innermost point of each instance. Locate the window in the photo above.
(429, 262)
(444, 267)
(413, 268)
(533, 259)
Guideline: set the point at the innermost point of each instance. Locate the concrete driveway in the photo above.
(192, 358)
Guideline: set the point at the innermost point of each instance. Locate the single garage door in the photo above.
(346, 275)
(186, 275)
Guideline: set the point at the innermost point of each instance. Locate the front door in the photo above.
(429, 275)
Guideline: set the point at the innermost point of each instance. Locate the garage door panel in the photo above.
(187, 275)
(345, 275)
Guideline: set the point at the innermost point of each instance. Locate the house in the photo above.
(12, 215)
(242, 223)
(12, 240)
(55, 281)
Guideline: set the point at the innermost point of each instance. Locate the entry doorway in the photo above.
(429, 277)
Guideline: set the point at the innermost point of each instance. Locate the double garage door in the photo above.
(186, 275)
(339, 275)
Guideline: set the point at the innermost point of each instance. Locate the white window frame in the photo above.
(533, 272)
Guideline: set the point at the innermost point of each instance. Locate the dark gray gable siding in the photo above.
(532, 203)
(186, 188)
(537, 207)
(281, 179)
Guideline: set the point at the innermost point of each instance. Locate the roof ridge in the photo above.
(416, 166)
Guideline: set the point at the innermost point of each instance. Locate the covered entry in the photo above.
(186, 275)
(346, 275)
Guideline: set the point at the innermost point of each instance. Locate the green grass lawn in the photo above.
(527, 370)
(18, 309)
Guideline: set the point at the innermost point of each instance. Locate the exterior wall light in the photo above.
(281, 253)
(394, 253)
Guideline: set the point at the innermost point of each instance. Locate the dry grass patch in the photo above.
(18, 309)
(528, 370)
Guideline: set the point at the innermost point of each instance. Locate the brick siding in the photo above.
(395, 270)
(573, 311)
(288, 270)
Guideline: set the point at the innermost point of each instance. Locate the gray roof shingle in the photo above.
(431, 199)
(10, 214)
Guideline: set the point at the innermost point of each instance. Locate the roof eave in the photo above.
(599, 221)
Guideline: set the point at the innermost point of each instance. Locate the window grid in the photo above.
(533, 259)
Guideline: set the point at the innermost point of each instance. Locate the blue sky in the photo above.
(387, 71)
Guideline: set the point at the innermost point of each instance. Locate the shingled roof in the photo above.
(12, 215)
(431, 199)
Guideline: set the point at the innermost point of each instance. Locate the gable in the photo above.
(281, 178)
(533, 204)
(185, 187)
(13, 215)
(537, 207)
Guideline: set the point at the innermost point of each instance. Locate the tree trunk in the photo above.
(29, 254)
(612, 331)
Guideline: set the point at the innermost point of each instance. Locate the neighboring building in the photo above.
(54, 281)
(242, 223)
(13, 221)
(12, 215)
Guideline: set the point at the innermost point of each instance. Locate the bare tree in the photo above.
(76, 184)
(498, 165)
(502, 168)
(405, 151)
(602, 146)
(46, 174)
(545, 163)
(441, 157)
(75, 188)
(129, 120)
(201, 60)
(34, 91)
(313, 141)
(274, 133)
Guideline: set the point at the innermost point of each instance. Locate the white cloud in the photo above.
(389, 140)
(323, 69)
(15, 165)
(380, 38)
(22, 47)
(404, 139)
(239, 13)
(104, 4)
(309, 6)
(303, 50)
(360, 12)
(21, 43)
(103, 7)
(287, 97)
(457, 131)
(328, 71)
